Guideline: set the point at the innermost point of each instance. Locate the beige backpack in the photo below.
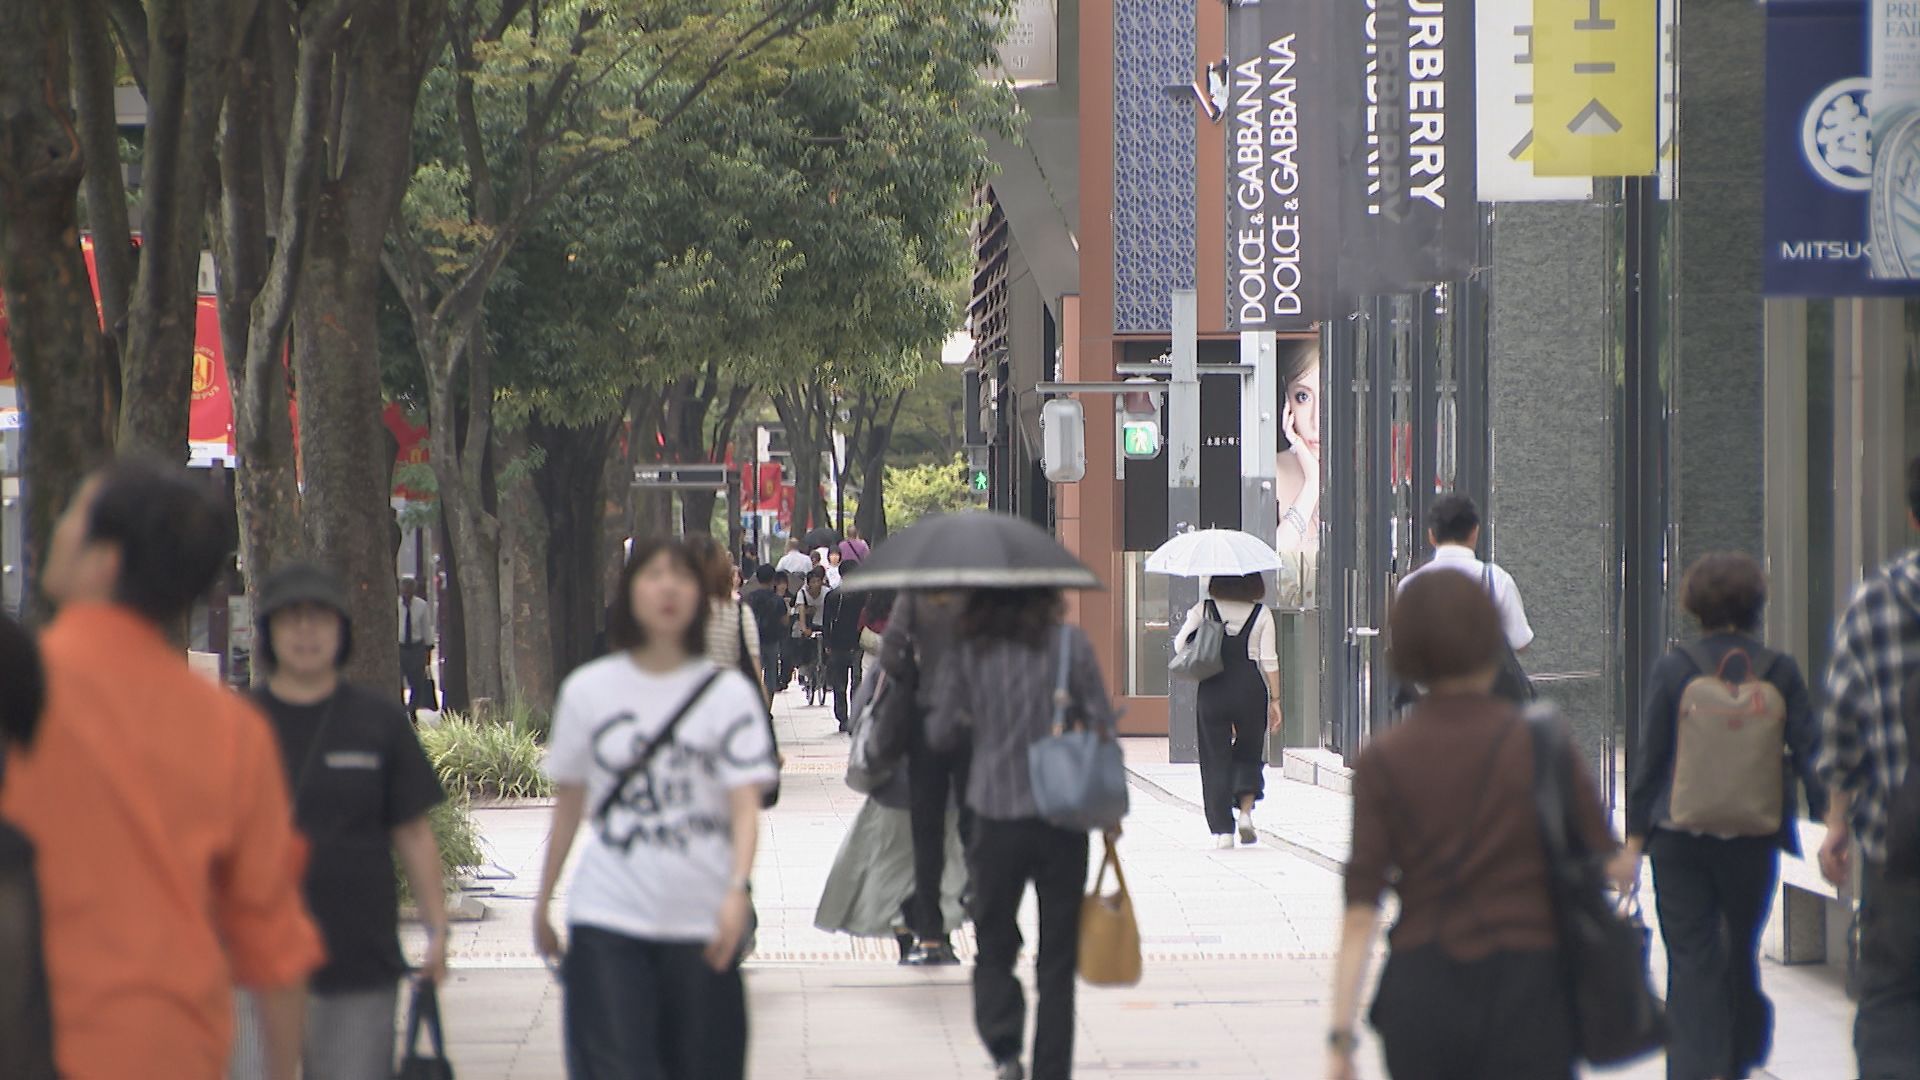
(1731, 737)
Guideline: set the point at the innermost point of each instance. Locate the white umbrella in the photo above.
(1213, 553)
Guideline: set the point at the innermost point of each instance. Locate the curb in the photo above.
(1278, 840)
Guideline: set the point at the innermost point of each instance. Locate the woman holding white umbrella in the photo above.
(1240, 704)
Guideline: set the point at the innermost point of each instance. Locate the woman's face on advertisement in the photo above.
(1303, 406)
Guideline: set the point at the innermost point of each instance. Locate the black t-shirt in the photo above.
(356, 771)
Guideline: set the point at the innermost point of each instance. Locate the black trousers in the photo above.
(1233, 751)
(1713, 897)
(1005, 856)
(843, 676)
(413, 666)
(649, 1010)
(1886, 1032)
(934, 781)
(1505, 1016)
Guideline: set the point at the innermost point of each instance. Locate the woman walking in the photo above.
(997, 690)
(666, 757)
(1714, 889)
(733, 636)
(1238, 706)
(1444, 811)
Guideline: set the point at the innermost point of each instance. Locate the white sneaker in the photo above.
(1247, 834)
(1224, 841)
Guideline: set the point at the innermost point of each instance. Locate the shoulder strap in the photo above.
(1060, 677)
(661, 739)
(1213, 611)
(1697, 656)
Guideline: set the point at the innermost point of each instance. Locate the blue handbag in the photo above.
(1079, 776)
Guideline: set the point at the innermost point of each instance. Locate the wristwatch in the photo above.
(1342, 1042)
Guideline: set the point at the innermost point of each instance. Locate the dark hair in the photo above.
(1453, 519)
(23, 683)
(1443, 626)
(1913, 487)
(714, 569)
(623, 627)
(818, 571)
(880, 604)
(1725, 589)
(174, 536)
(764, 573)
(1023, 615)
(1251, 588)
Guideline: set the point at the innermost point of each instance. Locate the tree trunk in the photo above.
(525, 613)
(696, 512)
(51, 321)
(347, 507)
(475, 534)
(572, 482)
(453, 628)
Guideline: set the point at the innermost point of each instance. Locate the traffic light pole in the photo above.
(1183, 505)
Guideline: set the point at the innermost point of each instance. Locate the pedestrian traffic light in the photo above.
(979, 481)
(1140, 423)
(1063, 440)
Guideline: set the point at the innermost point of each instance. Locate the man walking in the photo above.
(770, 618)
(1453, 528)
(921, 634)
(362, 787)
(795, 564)
(1863, 759)
(840, 636)
(416, 648)
(168, 861)
(853, 549)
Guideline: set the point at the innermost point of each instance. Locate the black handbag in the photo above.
(425, 1010)
(1511, 683)
(1616, 1015)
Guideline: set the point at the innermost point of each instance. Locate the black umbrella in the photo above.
(821, 537)
(974, 550)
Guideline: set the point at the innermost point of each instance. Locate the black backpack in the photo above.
(26, 1012)
(1903, 802)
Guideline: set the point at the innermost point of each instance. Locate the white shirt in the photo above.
(422, 622)
(1506, 594)
(1260, 647)
(659, 866)
(833, 577)
(794, 562)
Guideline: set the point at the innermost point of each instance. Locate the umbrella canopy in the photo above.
(972, 550)
(1213, 553)
(821, 537)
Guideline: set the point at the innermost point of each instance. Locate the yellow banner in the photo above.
(1596, 87)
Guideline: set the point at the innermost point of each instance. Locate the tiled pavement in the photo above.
(1239, 951)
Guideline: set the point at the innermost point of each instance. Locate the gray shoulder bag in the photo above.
(1079, 775)
(1198, 657)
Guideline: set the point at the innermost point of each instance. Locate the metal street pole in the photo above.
(1259, 446)
(1183, 504)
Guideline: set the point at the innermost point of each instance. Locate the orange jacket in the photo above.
(169, 865)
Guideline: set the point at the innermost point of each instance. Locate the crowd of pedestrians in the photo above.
(250, 925)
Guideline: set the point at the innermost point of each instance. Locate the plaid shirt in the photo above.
(1876, 650)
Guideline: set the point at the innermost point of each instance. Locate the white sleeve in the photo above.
(570, 746)
(1513, 614)
(1192, 624)
(750, 632)
(1262, 646)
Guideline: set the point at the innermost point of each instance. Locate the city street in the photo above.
(1239, 947)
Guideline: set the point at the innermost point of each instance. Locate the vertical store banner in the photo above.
(1596, 87)
(1405, 100)
(1819, 157)
(1282, 189)
(1893, 104)
(1503, 62)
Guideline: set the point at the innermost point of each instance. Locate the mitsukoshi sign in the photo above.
(1280, 182)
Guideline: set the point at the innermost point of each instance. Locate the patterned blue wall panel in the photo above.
(1154, 140)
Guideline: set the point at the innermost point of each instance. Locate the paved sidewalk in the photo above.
(1239, 950)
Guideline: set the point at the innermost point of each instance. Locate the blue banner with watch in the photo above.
(1819, 153)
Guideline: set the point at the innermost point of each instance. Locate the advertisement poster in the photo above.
(1893, 103)
(1282, 202)
(1819, 153)
(1503, 59)
(1296, 472)
(1596, 87)
(1405, 96)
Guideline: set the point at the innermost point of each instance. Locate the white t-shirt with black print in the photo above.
(657, 867)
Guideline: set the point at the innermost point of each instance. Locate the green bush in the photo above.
(458, 838)
(489, 757)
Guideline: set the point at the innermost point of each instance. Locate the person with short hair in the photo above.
(665, 756)
(840, 637)
(1714, 893)
(1453, 528)
(416, 647)
(1444, 813)
(796, 562)
(1863, 760)
(362, 789)
(768, 608)
(853, 549)
(1237, 707)
(168, 860)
